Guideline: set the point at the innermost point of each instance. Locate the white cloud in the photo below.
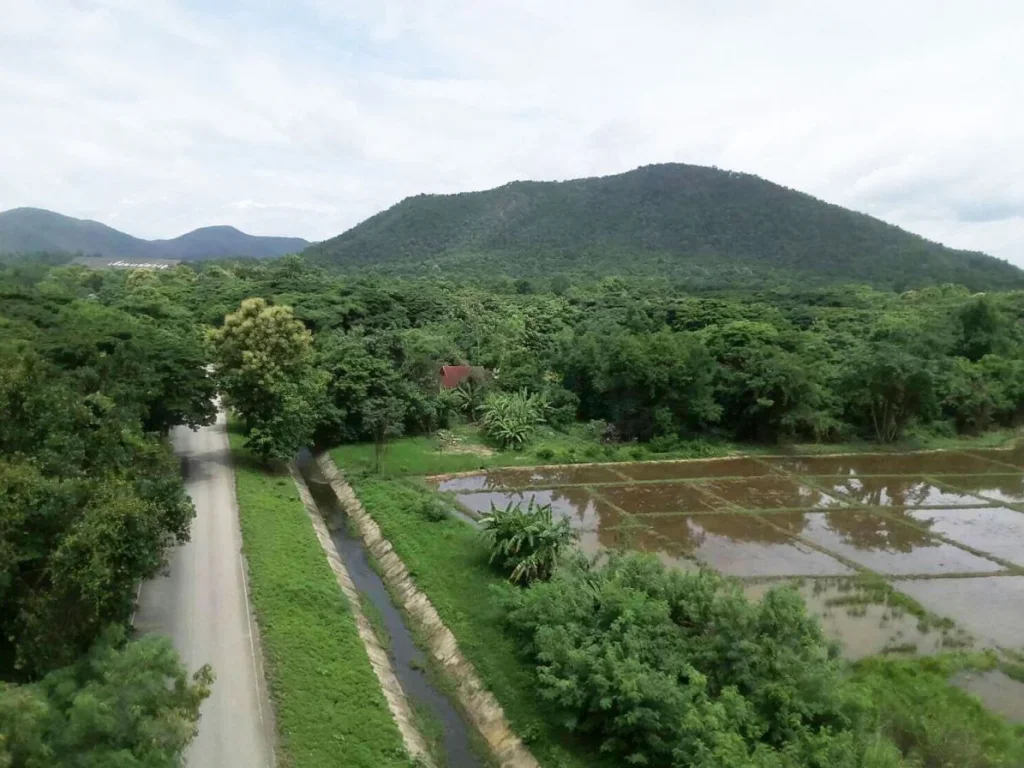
(304, 118)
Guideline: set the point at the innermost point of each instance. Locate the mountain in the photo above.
(673, 220)
(220, 242)
(27, 230)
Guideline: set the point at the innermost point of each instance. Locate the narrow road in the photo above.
(203, 606)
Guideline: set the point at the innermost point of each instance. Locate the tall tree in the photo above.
(264, 366)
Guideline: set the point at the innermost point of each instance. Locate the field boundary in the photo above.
(397, 702)
(481, 706)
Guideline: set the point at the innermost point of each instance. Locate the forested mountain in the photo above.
(27, 230)
(680, 221)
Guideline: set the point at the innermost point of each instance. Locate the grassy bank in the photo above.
(424, 455)
(329, 707)
(449, 563)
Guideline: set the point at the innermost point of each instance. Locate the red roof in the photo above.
(453, 375)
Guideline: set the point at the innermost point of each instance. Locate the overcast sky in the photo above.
(303, 117)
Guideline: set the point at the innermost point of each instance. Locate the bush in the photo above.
(671, 669)
(664, 444)
(526, 544)
(511, 418)
(545, 453)
(432, 510)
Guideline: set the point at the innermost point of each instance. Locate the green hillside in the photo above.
(673, 220)
(34, 230)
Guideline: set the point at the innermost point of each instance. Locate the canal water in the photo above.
(408, 659)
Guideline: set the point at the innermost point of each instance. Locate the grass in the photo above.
(448, 561)
(327, 701)
(933, 722)
(420, 455)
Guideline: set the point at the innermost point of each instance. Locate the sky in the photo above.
(304, 117)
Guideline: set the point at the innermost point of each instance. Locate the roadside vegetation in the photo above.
(90, 501)
(327, 700)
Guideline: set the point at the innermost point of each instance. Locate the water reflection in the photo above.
(660, 497)
(741, 545)
(530, 477)
(1008, 489)
(858, 465)
(769, 493)
(884, 546)
(897, 491)
(682, 470)
(988, 607)
(857, 528)
(995, 530)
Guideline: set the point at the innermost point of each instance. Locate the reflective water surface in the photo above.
(773, 492)
(995, 530)
(987, 607)
(883, 545)
(741, 545)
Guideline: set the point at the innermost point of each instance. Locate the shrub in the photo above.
(672, 669)
(432, 510)
(545, 453)
(526, 544)
(511, 418)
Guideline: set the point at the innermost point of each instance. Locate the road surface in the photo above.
(202, 605)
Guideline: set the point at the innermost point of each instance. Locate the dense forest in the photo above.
(634, 360)
(702, 226)
(90, 499)
(97, 366)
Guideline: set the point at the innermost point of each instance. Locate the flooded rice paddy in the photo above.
(944, 528)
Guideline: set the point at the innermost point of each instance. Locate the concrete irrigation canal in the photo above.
(408, 661)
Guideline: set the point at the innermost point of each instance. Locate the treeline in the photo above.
(93, 373)
(641, 360)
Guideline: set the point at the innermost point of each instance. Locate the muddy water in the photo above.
(865, 625)
(741, 545)
(574, 503)
(1009, 489)
(660, 497)
(988, 607)
(769, 493)
(999, 692)
(1012, 457)
(897, 491)
(883, 545)
(858, 465)
(531, 477)
(408, 659)
(681, 470)
(995, 530)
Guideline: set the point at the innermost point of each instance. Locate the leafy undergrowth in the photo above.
(329, 707)
(448, 561)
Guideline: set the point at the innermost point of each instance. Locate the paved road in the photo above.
(202, 605)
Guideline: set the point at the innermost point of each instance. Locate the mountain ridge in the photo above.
(665, 220)
(28, 230)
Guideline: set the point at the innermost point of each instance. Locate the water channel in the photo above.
(408, 659)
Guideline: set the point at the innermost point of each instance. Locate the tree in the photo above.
(383, 417)
(886, 387)
(264, 366)
(130, 707)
